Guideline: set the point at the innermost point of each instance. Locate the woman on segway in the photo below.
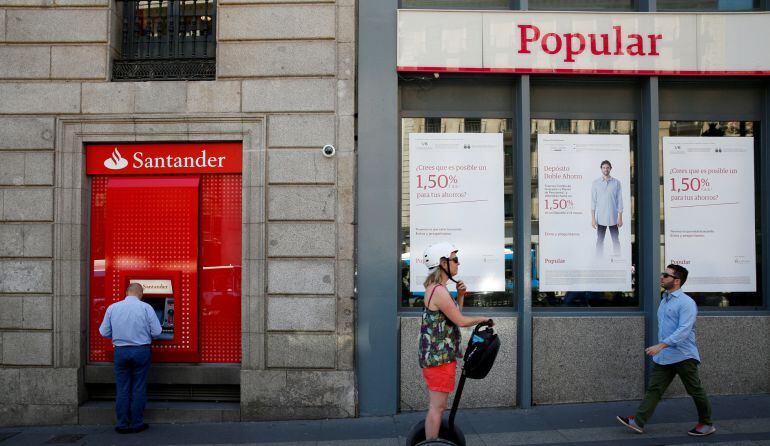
(442, 318)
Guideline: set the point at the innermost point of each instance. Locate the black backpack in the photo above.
(481, 352)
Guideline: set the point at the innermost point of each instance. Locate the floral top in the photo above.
(439, 338)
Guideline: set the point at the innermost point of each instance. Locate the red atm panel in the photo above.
(218, 259)
(177, 230)
(220, 268)
(151, 232)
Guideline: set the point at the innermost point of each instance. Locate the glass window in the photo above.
(455, 4)
(708, 5)
(717, 129)
(458, 125)
(578, 5)
(581, 298)
(167, 40)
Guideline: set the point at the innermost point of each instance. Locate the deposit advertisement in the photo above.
(584, 203)
(456, 196)
(708, 185)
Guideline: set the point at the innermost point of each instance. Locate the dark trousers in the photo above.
(661, 377)
(600, 231)
(132, 364)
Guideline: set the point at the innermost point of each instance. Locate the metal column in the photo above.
(522, 234)
(377, 212)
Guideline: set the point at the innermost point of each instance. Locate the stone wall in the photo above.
(286, 82)
(498, 389)
(585, 359)
(735, 355)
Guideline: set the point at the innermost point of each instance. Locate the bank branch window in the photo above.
(709, 175)
(457, 186)
(583, 251)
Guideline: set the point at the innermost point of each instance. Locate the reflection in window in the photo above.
(577, 5)
(708, 5)
(432, 125)
(472, 126)
(457, 125)
(716, 129)
(581, 298)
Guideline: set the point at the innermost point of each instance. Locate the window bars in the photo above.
(167, 40)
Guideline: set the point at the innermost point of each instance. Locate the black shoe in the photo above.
(701, 430)
(630, 423)
(140, 428)
(123, 430)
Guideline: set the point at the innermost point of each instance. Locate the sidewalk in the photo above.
(740, 420)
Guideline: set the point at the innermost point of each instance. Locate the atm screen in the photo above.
(164, 309)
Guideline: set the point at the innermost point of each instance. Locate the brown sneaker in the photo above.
(630, 423)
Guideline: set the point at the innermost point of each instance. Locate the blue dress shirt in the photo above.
(676, 328)
(606, 201)
(130, 322)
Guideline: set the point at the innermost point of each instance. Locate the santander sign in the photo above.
(163, 158)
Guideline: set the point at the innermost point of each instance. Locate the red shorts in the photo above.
(441, 378)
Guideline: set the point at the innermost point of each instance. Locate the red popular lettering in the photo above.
(524, 49)
(571, 50)
(614, 43)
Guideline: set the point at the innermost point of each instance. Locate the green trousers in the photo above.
(661, 377)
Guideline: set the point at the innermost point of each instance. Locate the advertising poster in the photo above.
(584, 202)
(456, 196)
(708, 190)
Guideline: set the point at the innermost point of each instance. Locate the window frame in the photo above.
(185, 58)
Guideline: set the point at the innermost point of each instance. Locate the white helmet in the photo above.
(433, 253)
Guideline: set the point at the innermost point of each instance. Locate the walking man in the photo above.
(131, 324)
(675, 354)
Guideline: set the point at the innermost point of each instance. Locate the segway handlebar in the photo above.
(486, 323)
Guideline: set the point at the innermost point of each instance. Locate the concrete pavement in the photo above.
(740, 420)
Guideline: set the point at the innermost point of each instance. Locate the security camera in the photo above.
(328, 150)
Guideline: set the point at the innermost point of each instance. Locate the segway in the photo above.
(477, 362)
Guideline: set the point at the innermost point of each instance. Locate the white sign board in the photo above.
(456, 195)
(583, 42)
(155, 286)
(709, 211)
(584, 205)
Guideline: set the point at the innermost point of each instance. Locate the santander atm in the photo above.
(168, 216)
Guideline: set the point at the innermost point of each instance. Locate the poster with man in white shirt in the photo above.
(583, 195)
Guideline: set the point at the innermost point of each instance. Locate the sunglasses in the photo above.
(455, 259)
(666, 275)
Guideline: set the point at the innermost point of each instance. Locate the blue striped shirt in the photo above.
(130, 322)
(676, 328)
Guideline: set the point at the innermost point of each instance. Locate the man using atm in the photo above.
(131, 324)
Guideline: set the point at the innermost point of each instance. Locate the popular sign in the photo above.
(171, 158)
(589, 43)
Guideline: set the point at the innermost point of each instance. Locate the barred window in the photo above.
(167, 40)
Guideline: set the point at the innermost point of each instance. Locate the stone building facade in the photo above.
(284, 87)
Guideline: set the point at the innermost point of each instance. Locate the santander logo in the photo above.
(115, 161)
